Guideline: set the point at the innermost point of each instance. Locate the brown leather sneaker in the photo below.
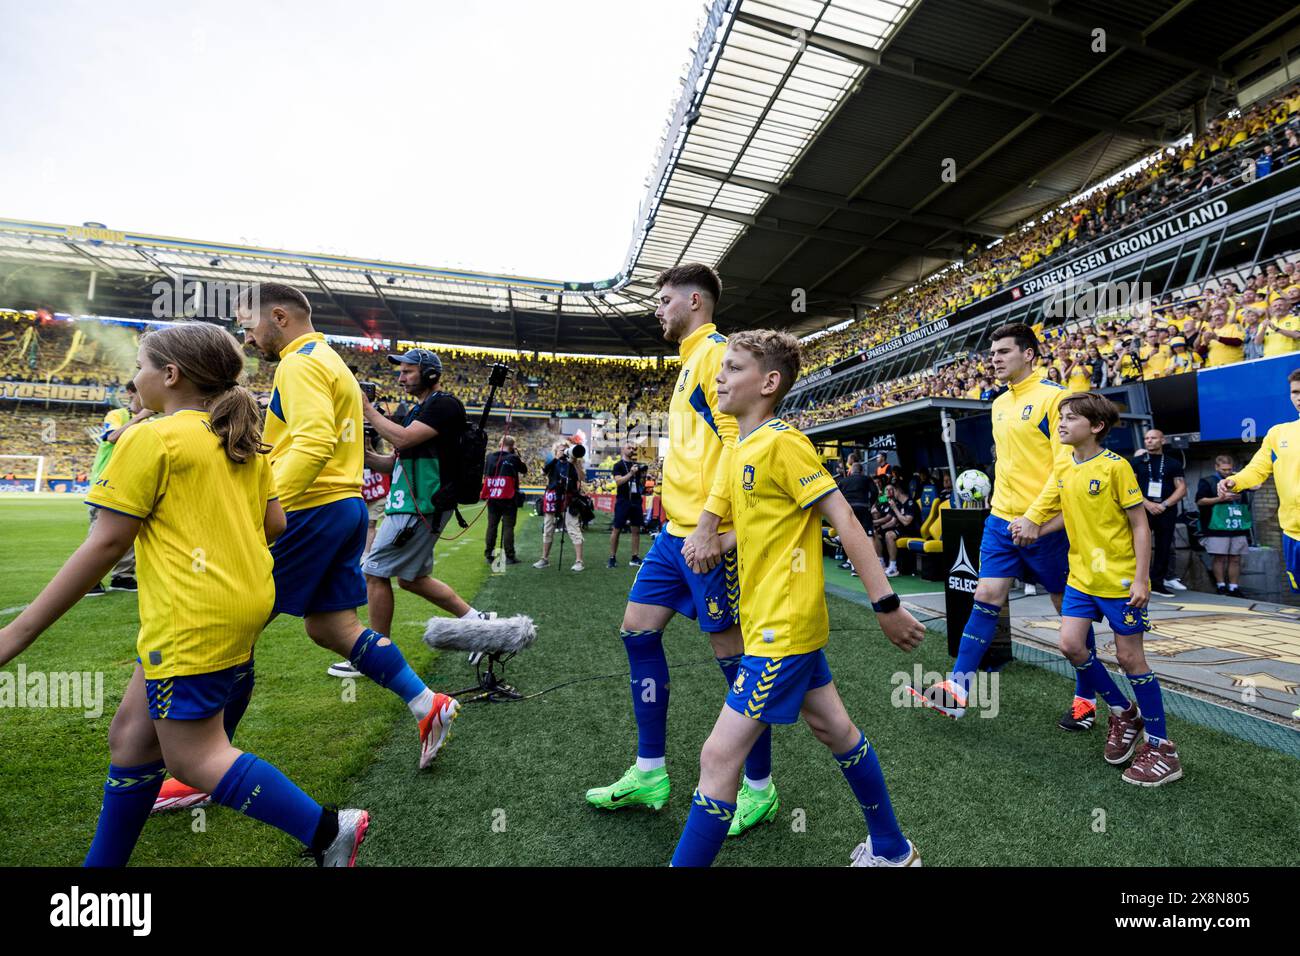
(1154, 766)
(1123, 736)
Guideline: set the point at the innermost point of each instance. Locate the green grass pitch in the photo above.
(508, 789)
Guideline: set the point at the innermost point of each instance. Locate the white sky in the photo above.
(505, 136)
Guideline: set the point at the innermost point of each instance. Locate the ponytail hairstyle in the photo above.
(211, 360)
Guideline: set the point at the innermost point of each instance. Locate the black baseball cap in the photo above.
(422, 357)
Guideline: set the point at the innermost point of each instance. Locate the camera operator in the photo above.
(563, 483)
(629, 510)
(501, 486)
(425, 446)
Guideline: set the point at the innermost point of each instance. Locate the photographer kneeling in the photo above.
(564, 484)
(425, 446)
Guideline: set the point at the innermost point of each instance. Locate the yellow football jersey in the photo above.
(113, 420)
(201, 556)
(1277, 344)
(1221, 354)
(313, 426)
(1095, 496)
(700, 437)
(1156, 361)
(1279, 455)
(1024, 432)
(776, 476)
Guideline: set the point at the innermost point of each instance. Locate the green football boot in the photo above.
(648, 789)
(753, 807)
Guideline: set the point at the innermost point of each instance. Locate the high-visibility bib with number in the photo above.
(1230, 516)
(498, 488)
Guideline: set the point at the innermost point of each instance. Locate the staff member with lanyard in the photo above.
(1163, 485)
(859, 491)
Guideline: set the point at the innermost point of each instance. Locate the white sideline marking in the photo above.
(15, 609)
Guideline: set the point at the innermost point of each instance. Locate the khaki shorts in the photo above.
(376, 508)
(1235, 544)
(571, 525)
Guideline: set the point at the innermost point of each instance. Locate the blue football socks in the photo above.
(862, 770)
(129, 794)
(1082, 678)
(385, 665)
(1101, 681)
(649, 667)
(257, 789)
(1150, 703)
(975, 639)
(706, 829)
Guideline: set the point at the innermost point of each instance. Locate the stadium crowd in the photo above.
(1248, 144)
(1225, 320)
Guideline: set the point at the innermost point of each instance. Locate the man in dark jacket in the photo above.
(501, 478)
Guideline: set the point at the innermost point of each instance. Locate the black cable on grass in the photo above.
(627, 674)
(582, 680)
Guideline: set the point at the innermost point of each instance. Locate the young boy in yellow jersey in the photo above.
(1110, 564)
(1012, 547)
(691, 567)
(193, 489)
(780, 491)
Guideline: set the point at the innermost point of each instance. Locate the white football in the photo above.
(973, 485)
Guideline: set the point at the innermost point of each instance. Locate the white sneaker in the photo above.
(343, 669)
(1174, 584)
(1030, 590)
(579, 566)
(862, 856)
(542, 563)
(891, 571)
(435, 728)
(352, 830)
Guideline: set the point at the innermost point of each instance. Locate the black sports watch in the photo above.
(889, 602)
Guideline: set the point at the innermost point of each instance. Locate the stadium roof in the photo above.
(350, 296)
(805, 152)
(1011, 91)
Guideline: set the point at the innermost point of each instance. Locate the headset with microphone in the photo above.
(430, 364)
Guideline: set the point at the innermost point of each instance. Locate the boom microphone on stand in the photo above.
(496, 640)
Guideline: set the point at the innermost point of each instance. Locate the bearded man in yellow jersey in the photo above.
(691, 569)
(314, 428)
(1028, 452)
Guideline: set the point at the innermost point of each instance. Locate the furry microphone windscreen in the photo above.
(505, 635)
